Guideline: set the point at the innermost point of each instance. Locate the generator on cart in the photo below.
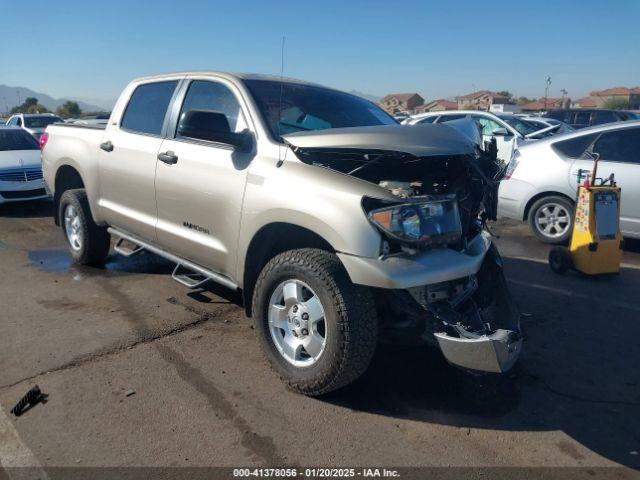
(596, 242)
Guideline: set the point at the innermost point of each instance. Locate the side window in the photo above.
(582, 118)
(428, 120)
(574, 147)
(487, 125)
(215, 97)
(448, 118)
(18, 121)
(604, 117)
(148, 107)
(619, 146)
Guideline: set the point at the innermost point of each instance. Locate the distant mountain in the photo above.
(13, 96)
(368, 96)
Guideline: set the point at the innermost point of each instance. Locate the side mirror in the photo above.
(500, 132)
(210, 126)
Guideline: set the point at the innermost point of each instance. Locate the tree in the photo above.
(523, 100)
(504, 93)
(613, 103)
(69, 109)
(30, 105)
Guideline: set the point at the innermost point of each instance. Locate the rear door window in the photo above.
(619, 146)
(147, 107)
(574, 147)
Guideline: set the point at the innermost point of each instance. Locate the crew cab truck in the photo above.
(339, 226)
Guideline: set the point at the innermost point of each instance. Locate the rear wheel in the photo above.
(551, 219)
(318, 330)
(88, 243)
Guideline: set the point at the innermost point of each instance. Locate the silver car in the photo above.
(542, 178)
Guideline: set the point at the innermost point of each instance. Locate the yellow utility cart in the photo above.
(596, 241)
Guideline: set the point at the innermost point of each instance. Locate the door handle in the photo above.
(168, 157)
(107, 146)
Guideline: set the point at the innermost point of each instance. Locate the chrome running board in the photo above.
(196, 276)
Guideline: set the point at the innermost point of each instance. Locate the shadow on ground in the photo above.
(29, 209)
(578, 372)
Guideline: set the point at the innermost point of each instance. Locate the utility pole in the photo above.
(564, 93)
(546, 92)
(18, 93)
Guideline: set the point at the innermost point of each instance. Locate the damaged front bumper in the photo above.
(494, 353)
(472, 319)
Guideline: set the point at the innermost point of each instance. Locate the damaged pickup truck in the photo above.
(339, 226)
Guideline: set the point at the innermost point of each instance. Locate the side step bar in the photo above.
(186, 272)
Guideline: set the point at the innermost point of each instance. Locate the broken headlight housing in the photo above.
(420, 222)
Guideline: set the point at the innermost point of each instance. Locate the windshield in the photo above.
(307, 107)
(14, 139)
(522, 126)
(40, 122)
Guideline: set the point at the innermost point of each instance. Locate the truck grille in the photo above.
(21, 174)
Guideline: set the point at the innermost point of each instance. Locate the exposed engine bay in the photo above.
(443, 201)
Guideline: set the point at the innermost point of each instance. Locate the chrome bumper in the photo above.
(495, 353)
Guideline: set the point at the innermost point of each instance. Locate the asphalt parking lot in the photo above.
(139, 371)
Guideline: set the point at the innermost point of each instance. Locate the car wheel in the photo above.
(88, 243)
(319, 331)
(551, 219)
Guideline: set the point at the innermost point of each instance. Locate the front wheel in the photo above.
(88, 243)
(551, 219)
(319, 331)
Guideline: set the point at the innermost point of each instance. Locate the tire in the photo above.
(88, 243)
(349, 324)
(551, 219)
(560, 260)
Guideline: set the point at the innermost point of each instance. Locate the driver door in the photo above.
(199, 191)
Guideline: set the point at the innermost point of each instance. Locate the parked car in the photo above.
(544, 122)
(507, 137)
(335, 236)
(584, 117)
(34, 123)
(541, 180)
(20, 166)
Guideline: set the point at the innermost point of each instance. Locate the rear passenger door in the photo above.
(128, 156)
(199, 193)
(620, 154)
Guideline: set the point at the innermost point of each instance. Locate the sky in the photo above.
(440, 49)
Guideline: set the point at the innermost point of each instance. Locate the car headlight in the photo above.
(419, 222)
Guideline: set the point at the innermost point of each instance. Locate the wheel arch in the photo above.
(67, 178)
(269, 241)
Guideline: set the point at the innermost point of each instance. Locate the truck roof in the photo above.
(231, 76)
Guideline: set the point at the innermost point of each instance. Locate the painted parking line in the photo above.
(544, 260)
(15, 455)
(569, 293)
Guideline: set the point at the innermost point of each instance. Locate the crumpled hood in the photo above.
(418, 140)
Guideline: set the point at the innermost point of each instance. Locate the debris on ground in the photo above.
(129, 392)
(31, 398)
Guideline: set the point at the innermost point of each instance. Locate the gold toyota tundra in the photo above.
(339, 226)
